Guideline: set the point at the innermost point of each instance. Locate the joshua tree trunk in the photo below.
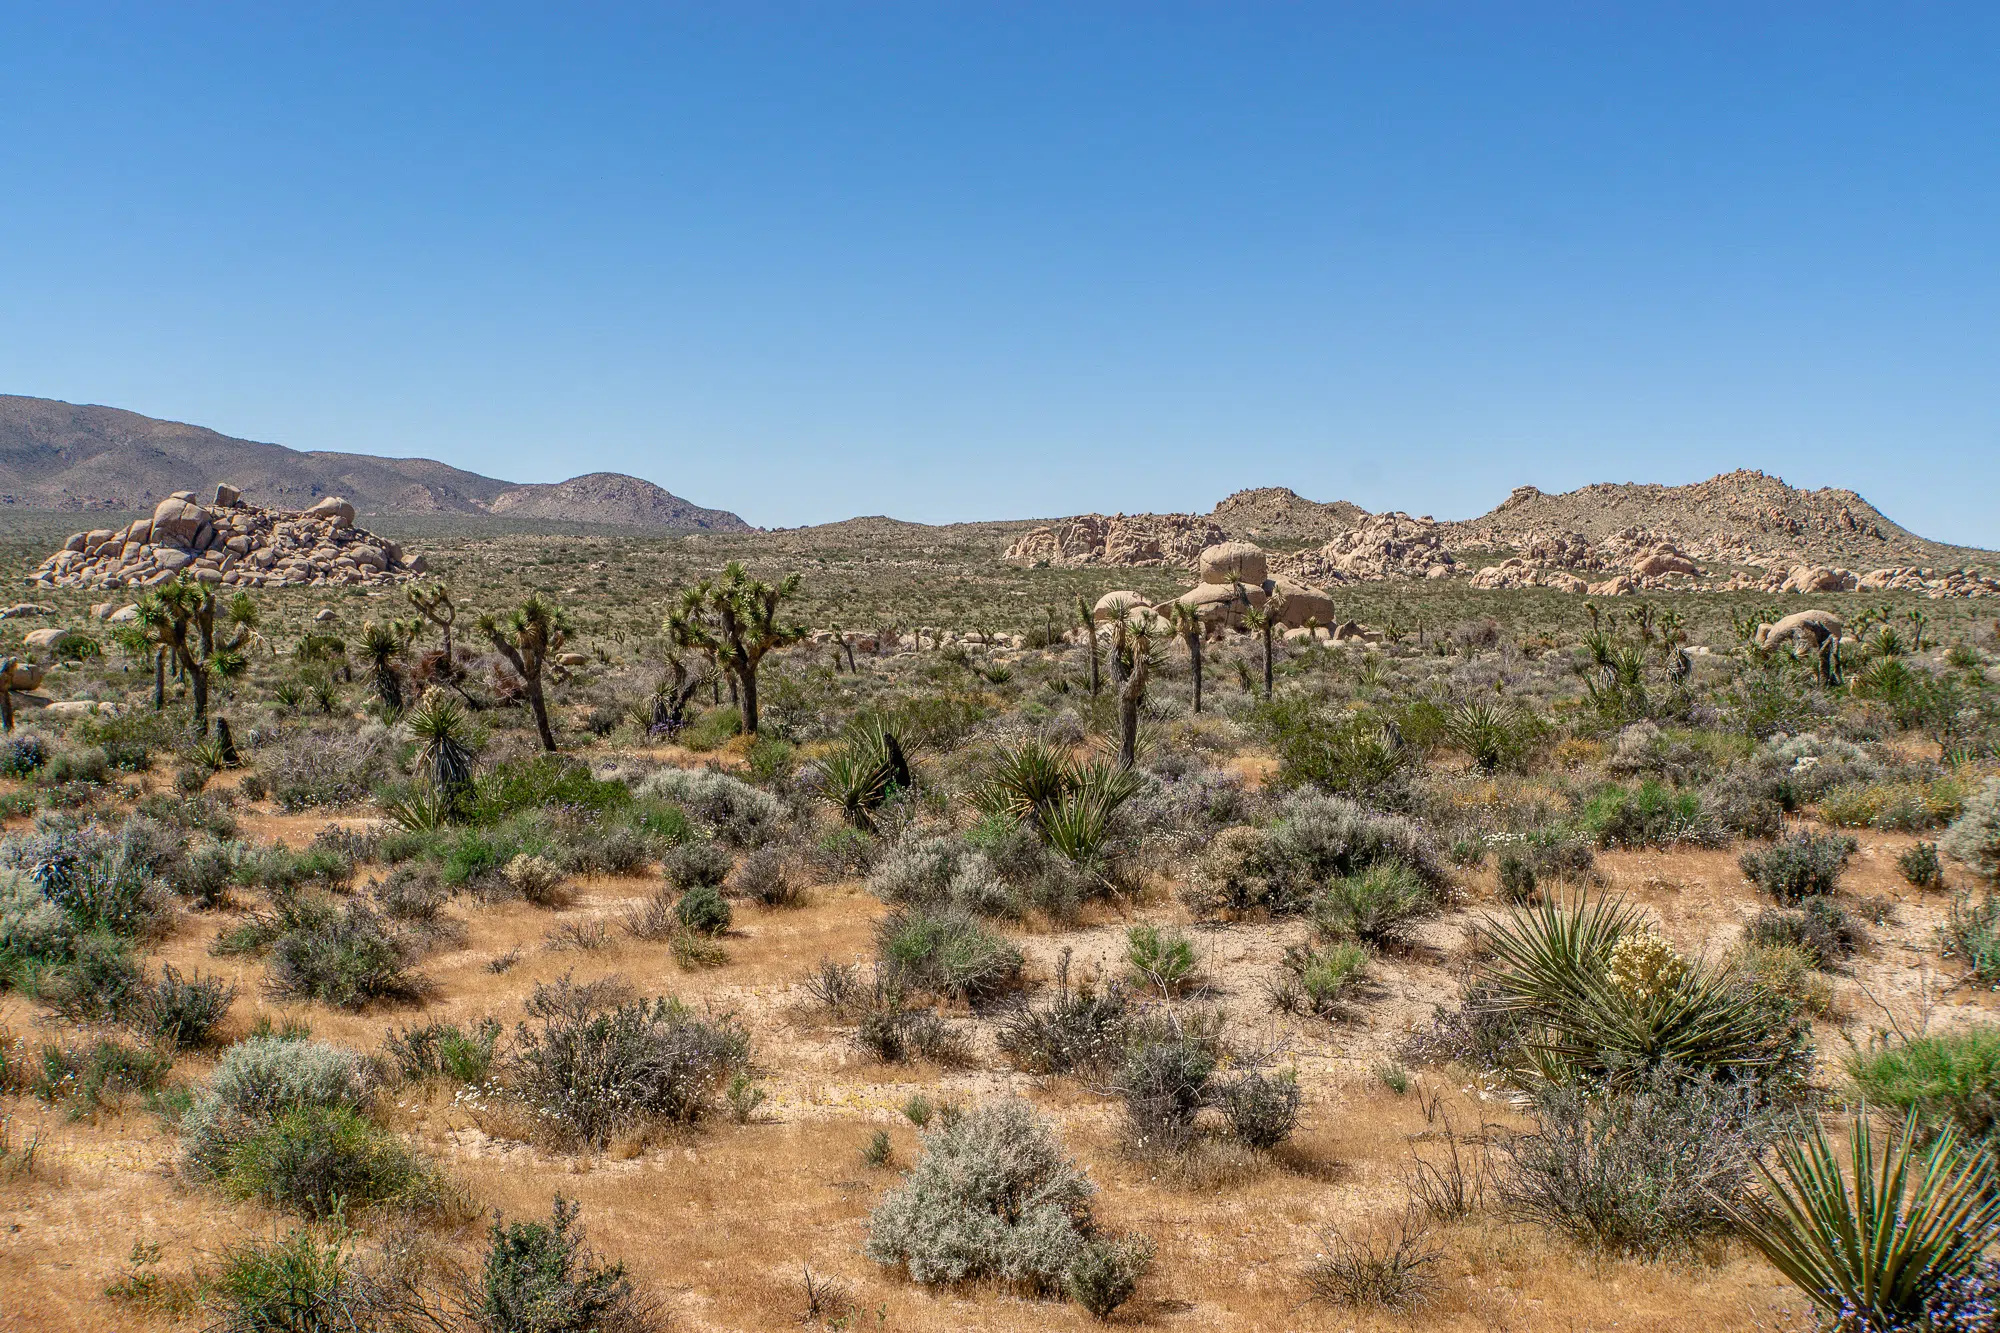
(1090, 636)
(1130, 694)
(7, 707)
(540, 709)
(160, 680)
(198, 679)
(748, 676)
(1194, 664)
(1267, 656)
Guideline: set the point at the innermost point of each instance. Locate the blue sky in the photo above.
(953, 261)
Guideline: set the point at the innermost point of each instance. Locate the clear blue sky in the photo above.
(955, 261)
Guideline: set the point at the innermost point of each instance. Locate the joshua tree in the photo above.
(1090, 638)
(1185, 621)
(1263, 619)
(670, 696)
(735, 618)
(179, 618)
(1132, 642)
(528, 637)
(436, 606)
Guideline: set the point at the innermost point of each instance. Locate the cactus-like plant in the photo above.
(179, 619)
(528, 637)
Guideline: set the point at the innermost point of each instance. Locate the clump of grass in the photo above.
(1391, 1267)
(1160, 957)
(945, 953)
(1944, 1079)
(1920, 866)
(542, 1276)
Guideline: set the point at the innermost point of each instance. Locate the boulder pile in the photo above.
(1382, 546)
(230, 543)
(1235, 577)
(1120, 539)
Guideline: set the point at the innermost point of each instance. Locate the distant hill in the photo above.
(71, 457)
(1270, 513)
(1742, 516)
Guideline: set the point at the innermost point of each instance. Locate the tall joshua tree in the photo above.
(528, 638)
(1264, 619)
(436, 606)
(1132, 643)
(1090, 639)
(180, 619)
(381, 647)
(735, 618)
(1185, 621)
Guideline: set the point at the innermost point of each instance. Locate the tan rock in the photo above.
(178, 519)
(1115, 604)
(335, 508)
(1233, 562)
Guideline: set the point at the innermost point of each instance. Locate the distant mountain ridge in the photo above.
(82, 458)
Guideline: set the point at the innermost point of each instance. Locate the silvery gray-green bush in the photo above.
(1974, 836)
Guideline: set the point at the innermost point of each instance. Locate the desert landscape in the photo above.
(426, 915)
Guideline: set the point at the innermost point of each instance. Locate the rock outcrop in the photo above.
(1382, 546)
(1119, 539)
(229, 543)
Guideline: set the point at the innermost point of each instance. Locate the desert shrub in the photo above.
(1262, 1109)
(940, 873)
(297, 1284)
(82, 1079)
(544, 782)
(1389, 1268)
(698, 863)
(1318, 838)
(1873, 1249)
(836, 987)
(1820, 929)
(537, 879)
(1750, 801)
(88, 977)
(1906, 806)
(1805, 866)
(1788, 973)
(1347, 754)
(1232, 878)
(1080, 1030)
(894, 1034)
(1646, 1169)
(1162, 958)
(1972, 934)
(993, 1196)
(21, 755)
(1377, 907)
(181, 1012)
(588, 1070)
(539, 1277)
(1318, 980)
(348, 959)
(766, 876)
(1163, 1080)
(1518, 884)
(256, 1081)
(321, 1161)
(444, 1050)
(1974, 837)
(1946, 1079)
(412, 894)
(1106, 1272)
(1920, 866)
(732, 810)
(703, 910)
(945, 953)
(1650, 815)
(329, 769)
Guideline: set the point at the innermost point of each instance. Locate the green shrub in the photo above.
(542, 783)
(296, 1285)
(1905, 806)
(1972, 934)
(349, 960)
(703, 910)
(1346, 754)
(444, 1050)
(1081, 1030)
(697, 864)
(1319, 980)
(945, 953)
(1377, 906)
(538, 1277)
(181, 1012)
(1161, 958)
(1650, 815)
(1878, 1245)
(1262, 1110)
(319, 1161)
(1821, 929)
(1920, 867)
(1946, 1079)
(258, 1080)
(82, 1079)
(1805, 866)
(1517, 880)
(993, 1196)
(1106, 1272)
(732, 810)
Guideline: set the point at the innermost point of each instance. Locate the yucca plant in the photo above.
(1028, 778)
(1079, 825)
(869, 768)
(1879, 1246)
(1556, 968)
(449, 746)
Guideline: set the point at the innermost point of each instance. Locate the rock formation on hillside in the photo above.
(229, 543)
(1119, 539)
(1278, 512)
(1382, 546)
